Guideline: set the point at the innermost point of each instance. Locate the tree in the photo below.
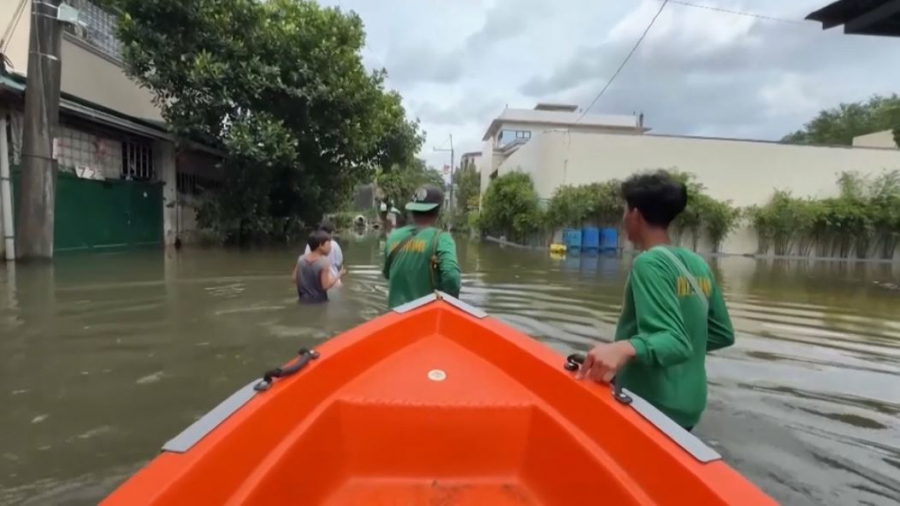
(280, 87)
(570, 206)
(398, 183)
(510, 206)
(841, 124)
(468, 188)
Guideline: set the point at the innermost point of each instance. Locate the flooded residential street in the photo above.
(105, 357)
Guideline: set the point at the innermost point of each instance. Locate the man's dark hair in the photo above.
(658, 197)
(327, 226)
(317, 238)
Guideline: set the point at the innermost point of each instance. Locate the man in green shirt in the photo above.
(673, 313)
(420, 258)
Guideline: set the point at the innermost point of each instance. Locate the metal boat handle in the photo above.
(306, 356)
(576, 360)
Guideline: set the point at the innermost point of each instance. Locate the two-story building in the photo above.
(122, 180)
(513, 128)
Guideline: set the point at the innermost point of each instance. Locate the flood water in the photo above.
(105, 357)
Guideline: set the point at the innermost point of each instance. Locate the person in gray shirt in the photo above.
(312, 274)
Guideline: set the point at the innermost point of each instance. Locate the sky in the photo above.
(459, 63)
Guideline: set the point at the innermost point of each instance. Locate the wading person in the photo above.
(673, 313)
(336, 256)
(312, 274)
(420, 258)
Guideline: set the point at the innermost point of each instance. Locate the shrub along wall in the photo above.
(862, 222)
(511, 208)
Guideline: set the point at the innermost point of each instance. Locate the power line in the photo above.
(737, 13)
(11, 27)
(625, 61)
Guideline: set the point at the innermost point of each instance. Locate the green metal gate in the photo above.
(105, 214)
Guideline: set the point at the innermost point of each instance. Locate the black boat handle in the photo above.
(576, 360)
(305, 357)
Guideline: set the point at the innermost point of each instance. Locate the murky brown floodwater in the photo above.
(104, 357)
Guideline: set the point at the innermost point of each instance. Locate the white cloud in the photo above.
(699, 72)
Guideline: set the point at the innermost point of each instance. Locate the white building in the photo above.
(746, 172)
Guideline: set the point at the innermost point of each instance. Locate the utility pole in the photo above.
(452, 161)
(37, 198)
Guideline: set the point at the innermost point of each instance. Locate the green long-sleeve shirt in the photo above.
(411, 275)
(671, 330)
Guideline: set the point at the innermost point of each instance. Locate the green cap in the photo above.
(427, 197)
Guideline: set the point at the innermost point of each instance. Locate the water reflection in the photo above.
(104, 357)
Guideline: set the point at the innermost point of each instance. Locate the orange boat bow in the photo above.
(435, 404)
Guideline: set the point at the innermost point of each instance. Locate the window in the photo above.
(77, 149)
(192, 184)
(137, 160)
(509, 136)
(100, 31)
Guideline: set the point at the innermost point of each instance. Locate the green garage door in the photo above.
(105, 214)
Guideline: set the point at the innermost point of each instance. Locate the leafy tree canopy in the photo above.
(841, 124)
(398, 183)
(280, 86)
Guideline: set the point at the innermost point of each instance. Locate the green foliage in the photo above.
(468, 187)
(602, 203)
(510, 207)
(841, 124)
(280, 87)
(571, 206)
(718, 218)
(783, 222)
(609, 205)
(398, 183)
(703, 214)
(863, 220)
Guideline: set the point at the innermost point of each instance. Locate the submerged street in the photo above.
(105, 357)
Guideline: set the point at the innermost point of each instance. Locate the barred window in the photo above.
(100, 31)
(137, 160)
(192, 184)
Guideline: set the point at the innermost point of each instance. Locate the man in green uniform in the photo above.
(420, 258)
(673, 313)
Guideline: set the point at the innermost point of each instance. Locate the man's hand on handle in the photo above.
(603, 362)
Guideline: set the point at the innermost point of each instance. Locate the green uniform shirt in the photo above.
(411, 274)
(671, 332)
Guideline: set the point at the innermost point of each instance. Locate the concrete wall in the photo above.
(744, 172)
(86, 72)
(883, 139)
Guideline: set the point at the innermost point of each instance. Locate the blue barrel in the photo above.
(590, 239)
(572, 239)
(609, 239)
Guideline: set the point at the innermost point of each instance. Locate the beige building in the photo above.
(514, 128)
(109, 127)
(743, 171)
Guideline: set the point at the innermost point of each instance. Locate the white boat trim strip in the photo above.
(463, 306)
(199, 429)
(415, 304)
(689, 442)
